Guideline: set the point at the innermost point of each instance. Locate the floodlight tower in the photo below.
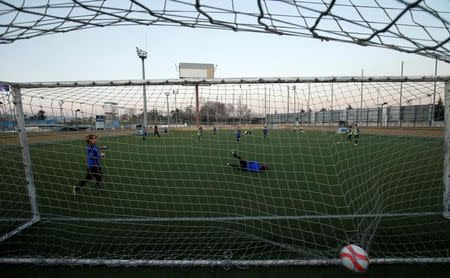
(143, 55)
(168, 116)
(175, 92)
(76, 118)
(61, 103)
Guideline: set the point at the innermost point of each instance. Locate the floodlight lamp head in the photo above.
(141, 53)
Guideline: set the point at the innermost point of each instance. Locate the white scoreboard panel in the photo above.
(196, 70)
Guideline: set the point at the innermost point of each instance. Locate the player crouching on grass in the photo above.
(93, 157)
(245, 165)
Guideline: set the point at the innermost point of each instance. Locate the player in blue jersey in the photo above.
(144, 133)
(93, 157)
(246, 165)
(238, 135)
(265, 132)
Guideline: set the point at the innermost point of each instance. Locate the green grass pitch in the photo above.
(181, 201)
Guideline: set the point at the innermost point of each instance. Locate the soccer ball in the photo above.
(354, 258)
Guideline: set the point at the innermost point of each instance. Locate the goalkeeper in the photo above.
(93, 157)
(245, 165)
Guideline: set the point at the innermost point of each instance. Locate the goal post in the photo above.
(26, 158)
(27, 167)
(174, 198)
(446, 197)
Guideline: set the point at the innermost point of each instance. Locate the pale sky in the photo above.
(109, 54)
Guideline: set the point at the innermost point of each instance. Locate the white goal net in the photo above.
(338, 161)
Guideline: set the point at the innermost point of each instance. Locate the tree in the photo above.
(244, 112)
(124, 117)
(212, 111)
(189, 114)
(439, 111)
(229, 110)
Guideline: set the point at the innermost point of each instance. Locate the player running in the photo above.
(199, 133)
(93, 157)
(265, 132)
(144, 133)
(238, 135)
(155, 131)
(349, 134)
(245, 165)
(355, 132)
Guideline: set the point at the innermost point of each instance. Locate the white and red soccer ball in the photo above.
(354, 258)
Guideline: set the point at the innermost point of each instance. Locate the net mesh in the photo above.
(173, 197)
(419, 26)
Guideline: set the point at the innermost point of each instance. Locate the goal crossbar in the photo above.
(218, 81)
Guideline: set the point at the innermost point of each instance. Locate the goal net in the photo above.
(350, 160)
(418, 26)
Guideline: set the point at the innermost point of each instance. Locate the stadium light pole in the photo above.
(308, 105)
(331, 106)
(295, 107)
(265, 105)
(287, 108)
(381, 113)
(401, 96)
(143, 55)
(430, 119)
(361, 104)
(434, 95)
(175, 92)
(76, 118)
(168, 116)
(61, 102)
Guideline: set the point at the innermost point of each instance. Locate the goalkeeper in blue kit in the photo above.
(93, 157)
(246, 165)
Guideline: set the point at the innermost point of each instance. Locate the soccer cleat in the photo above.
(232, 152)
(76, 190)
